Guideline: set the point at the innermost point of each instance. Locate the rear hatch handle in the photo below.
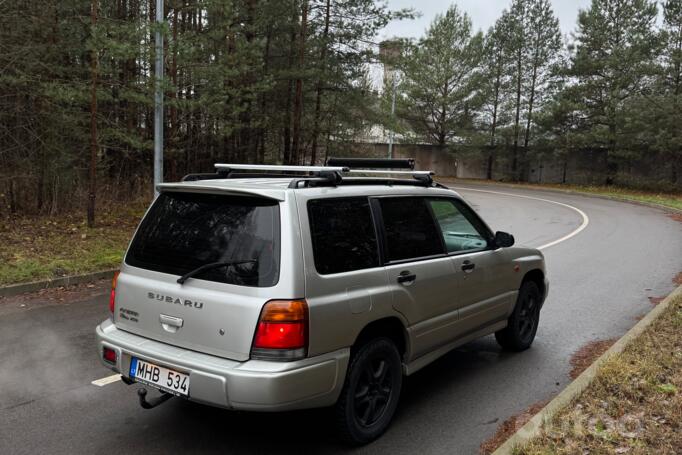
(170, 323)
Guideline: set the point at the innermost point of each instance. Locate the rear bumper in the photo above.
(254, 385)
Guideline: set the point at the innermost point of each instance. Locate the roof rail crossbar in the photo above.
(424, 177)
(352, 181)
(331, 174)
(376, 163)
(308, 176)
(384, 172)
(277, 168)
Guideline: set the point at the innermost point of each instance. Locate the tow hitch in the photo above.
(154, 402)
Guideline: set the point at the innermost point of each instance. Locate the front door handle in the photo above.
(406, 277)
(468, 266)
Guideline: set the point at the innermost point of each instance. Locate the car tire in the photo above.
(370, 393)
(523, 323)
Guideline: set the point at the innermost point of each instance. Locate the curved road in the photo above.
(610, 258)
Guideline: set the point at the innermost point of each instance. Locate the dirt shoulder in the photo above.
(634, 405)
(54, 296)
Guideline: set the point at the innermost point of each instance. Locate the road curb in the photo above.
(534, 426)
(15, 289)
(561, 191)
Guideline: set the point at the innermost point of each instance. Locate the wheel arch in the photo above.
(536, 276)
(390, 327)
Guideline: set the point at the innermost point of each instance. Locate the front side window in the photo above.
(459, 234)
(410, 229)
(184, 231)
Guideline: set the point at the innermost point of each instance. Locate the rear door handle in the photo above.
(406, 277)
(468, 266)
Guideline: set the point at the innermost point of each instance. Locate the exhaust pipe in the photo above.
(154, 402)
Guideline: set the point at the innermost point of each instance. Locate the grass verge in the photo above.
(634, 405)
(45, 247)
(671, 200)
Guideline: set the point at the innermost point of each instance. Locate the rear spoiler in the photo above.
(202, 187)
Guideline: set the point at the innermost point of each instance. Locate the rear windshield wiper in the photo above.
(211, 265)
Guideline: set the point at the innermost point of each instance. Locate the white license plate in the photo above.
(160, 377)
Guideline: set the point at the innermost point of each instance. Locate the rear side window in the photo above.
(343, 235)
(411, 231)
(183, 231)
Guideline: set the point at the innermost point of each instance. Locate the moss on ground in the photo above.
(43, 247)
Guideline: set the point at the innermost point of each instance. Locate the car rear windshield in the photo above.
(184, 231)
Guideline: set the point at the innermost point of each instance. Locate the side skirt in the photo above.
(421, 362)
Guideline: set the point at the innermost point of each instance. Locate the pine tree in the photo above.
(495, 82)
(532, 40)
(670, 89)
(614, 62)
(544, 45)
(438, 88)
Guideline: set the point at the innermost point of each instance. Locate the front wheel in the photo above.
(523, 322)
(371, 392)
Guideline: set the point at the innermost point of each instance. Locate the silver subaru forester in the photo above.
(272, 288)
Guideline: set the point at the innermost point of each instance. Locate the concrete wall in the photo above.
(584, 167)
(427, 157)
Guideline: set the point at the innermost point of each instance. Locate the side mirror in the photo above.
(503, 239)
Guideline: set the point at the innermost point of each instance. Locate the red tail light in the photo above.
(112, 296)
(109, 355)
(282, 332)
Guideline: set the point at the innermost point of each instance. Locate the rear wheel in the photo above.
(523, 322)
(371, 392)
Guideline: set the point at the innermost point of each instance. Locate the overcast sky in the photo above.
(483, 14)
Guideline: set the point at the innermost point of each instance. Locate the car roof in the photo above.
(278, 188)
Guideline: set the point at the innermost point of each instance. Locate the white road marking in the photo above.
(108, 380)
(586, 220)
(583, 225)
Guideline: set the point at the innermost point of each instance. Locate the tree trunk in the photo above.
(493, 128)
(526, 139)
(676, 106)
(93, 121)
(290, 64)
(517, 116)
(318, 95)
(260, 147)
(298, 97)
(174, 78)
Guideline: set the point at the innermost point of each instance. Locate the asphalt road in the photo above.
(601, 279)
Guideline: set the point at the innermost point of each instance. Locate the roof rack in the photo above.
(278, 168)
(343, 173)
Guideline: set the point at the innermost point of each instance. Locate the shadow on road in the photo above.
(428, 397)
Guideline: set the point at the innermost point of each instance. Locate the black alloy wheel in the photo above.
(523, 323)
(371, 392)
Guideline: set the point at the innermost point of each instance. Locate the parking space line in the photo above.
(108, 380)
